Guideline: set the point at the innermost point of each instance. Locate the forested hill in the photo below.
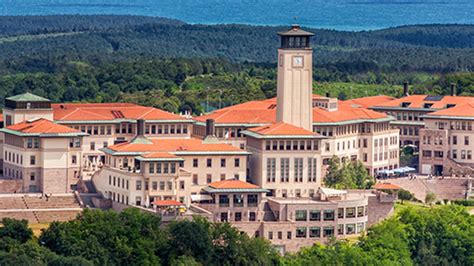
(428, 48)
(20, 25)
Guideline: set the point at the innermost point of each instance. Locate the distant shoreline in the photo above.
(177, 21)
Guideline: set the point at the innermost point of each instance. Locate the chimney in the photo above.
(328, 94)
(453, 89)
(141, 127)
(210, 132)
(140, 137)
(210, 127)
(405, 89)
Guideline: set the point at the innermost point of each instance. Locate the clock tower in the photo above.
(295, 78)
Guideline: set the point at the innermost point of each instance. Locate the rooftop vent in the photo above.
(117, 114)
(272, 106)
(433, 98)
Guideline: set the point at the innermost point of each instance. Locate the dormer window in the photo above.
(450, 105)
(405, 104)
(427, 105)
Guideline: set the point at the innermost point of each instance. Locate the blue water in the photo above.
(334, 14)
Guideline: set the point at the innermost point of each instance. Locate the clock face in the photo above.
(297, 61)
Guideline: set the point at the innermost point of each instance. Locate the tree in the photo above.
(16, 229)
(430, 197)
(347, 175)
(404, 195)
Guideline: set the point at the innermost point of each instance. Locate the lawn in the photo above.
(38, 227)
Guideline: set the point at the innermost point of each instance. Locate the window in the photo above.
(298, 169)
(455, 154)
(340, 229)
(238, 200)
(350, 212)
(271, 171)
(138, 185)
(350, 229)
(315, 231)
(74, 159)
(195, 162)
(252, 216)
(270, 235)
(280, 235)
(29, 143)
(455, 140)
(195, 179)
(300, 232)
(209, 162)
(300, 215)
(173, 168)
(284, 169)
(312, 170)
(151, 168)
(32, 176)
(92, 146)
(252, 200)
(154, 185)
(32, 160)
(162, 185)
(238, 216)
(340, 213)
(288, 235)
(328, 231)
(237, 162)
(466, 140)
(360, 227)
(223, 201)
(209, 178)
(315, 215)
(223, 161)
(158, 168)
(224, 217)
(181, 185)
(360, 211)
(328, 215)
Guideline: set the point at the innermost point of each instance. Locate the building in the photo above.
(143, 170)
(45, 156)
(447, 141)
(409, 112)
(292, 223)
(258, 165)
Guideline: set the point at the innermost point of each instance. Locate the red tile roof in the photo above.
(155, 155)
(462, 110)
(42, 126)
(167, 203)
(367, 102)
(386, 186)
(264, 112)
(280, 129)
(345, 112)
(109, 111)
(418, 101)
(232, 184)
(174, 145)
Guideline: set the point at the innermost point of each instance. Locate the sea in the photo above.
(351, 15)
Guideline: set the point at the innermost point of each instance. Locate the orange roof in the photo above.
(419, 101)
(281, 129)
(41, 126)
(232, 184)
(165, 203)
(264, 112)
(386, 186)
(462, 110)
(367, 102)
(173, 145)
(345, 112)
(109, 111)
(159, 155)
